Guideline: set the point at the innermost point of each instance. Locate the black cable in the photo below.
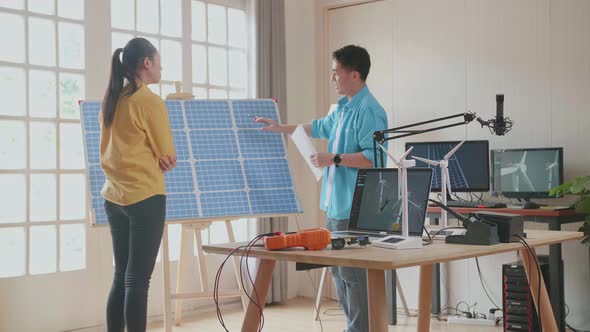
(246, 253)
(534, 257)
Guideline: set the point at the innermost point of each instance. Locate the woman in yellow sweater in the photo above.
(136, 149)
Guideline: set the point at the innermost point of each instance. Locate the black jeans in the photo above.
(136, 230)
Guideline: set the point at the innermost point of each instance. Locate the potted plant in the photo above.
(580, 187)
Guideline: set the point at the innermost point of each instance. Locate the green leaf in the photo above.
(583, 205)
(580, 185)
(561, 190)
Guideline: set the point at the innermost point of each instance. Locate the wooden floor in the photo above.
(297, 316)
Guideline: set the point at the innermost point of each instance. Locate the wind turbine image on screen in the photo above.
(530, 171)
(226, 166)
(456, 174)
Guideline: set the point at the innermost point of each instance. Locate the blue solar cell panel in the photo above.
(230, 203)
(219, 175)
(100, 215)
(90, 119)
(208, 114)
(181, 145)
(246, 110)
(214, 144)
(181, 206)
(97, 179)
(273, 201)
(180, 179)
(266, 174)
(175, 115)
(93, 147)
(226, 166)
(260, 144)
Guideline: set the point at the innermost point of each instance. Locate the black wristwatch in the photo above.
(337, 160)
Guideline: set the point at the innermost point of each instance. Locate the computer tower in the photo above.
(520, 314)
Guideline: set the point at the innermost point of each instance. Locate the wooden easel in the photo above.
(196, 227)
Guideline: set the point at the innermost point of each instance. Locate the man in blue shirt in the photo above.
(349, 131)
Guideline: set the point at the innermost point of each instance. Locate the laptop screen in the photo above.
(377, 207)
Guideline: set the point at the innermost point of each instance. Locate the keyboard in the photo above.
(484, 205)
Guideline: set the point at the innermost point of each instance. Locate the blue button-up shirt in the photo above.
(362, 116)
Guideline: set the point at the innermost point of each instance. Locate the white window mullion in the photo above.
(57, 147)
(28, 146)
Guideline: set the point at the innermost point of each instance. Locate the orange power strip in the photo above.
(310, 239)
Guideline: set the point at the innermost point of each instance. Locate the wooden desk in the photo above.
(554, 219)
(377, 260)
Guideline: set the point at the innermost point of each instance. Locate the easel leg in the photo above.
(547, 318)
(318, 299)
(402, 297)
(236, 262)
(181, 266)
(166, 280)
(261, 284)
(201, 261)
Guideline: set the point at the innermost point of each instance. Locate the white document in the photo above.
(306, 148)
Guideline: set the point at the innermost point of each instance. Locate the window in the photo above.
(205, 48)
(42, 170)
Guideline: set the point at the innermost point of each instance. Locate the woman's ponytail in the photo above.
(114, 89)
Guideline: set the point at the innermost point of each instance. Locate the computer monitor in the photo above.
(526, 173)
(376, 205)
(468, 167)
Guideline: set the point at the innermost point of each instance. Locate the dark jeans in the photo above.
(351, 286)
(136, 230)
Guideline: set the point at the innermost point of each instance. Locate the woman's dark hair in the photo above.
(355, 58)
(136, 50)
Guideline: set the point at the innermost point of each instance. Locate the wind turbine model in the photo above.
(445, 179)
(404, 241)
(549, 168)
(518, 170)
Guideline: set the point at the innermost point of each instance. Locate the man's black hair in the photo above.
(355, 58)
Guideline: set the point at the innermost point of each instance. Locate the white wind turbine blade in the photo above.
(452, 152)
(427, 161)
(509, 170)
(389, 154)
(526, 179)
(403, 157)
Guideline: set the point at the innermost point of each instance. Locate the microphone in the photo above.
(498, 125)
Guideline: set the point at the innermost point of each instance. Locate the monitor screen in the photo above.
(468, 167)
(377, 206)
(526, 173)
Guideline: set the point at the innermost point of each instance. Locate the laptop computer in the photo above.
(376, 206)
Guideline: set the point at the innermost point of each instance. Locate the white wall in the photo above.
(454, 55)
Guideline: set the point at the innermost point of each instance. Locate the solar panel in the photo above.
(226, 167)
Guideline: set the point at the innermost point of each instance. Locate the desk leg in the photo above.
(390, 289)
(262, 284)
(377, 300)
(547, 317)
(424, 295)
(435, 307)
(556, 279)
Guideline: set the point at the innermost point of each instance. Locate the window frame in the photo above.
(56, 70)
